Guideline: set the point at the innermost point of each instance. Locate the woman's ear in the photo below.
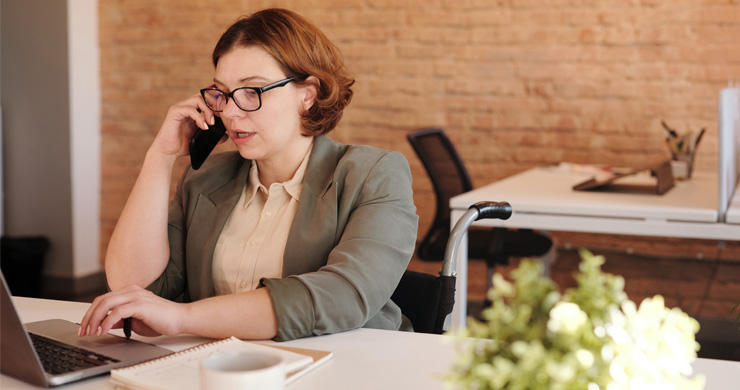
(311, 88)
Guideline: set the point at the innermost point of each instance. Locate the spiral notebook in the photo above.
(180, 370)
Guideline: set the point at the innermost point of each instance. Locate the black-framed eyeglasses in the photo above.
(246, 98)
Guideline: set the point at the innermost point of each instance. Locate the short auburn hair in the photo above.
(302, 50)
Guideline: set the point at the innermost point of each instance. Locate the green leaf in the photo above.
(737, 318)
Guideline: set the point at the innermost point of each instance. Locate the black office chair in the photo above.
(426, 300)
(449, 178)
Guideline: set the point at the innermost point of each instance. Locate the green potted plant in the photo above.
(589, 337)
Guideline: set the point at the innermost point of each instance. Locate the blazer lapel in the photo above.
(212, 211)
(313, 231)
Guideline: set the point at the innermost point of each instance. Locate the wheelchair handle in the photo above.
(498, 210)
(480, 210)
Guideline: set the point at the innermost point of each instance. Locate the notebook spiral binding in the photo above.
(178, 353)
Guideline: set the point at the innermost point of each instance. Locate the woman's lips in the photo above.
(239, 136)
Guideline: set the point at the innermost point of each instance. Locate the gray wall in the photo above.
(34, 74)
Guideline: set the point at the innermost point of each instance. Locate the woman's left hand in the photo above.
(151, 315)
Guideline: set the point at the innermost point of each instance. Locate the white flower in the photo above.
(585, 357)
(654, 347)
(566, 318)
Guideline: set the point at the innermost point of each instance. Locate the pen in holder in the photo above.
(683, 149)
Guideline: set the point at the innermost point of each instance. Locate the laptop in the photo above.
(49, 353)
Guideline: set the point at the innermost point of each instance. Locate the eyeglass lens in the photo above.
(247, 99)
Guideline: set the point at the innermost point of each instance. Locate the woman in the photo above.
(291, 236)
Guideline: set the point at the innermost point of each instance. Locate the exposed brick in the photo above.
(718, 308)
(516, 84)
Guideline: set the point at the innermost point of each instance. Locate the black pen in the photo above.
(698, 138)
(127, 327)
(670, 131)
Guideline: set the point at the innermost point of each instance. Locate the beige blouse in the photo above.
(252, 243)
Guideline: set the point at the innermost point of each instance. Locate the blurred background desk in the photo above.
(363, 358)
(543, 198)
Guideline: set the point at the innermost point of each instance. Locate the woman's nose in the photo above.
(231, 110)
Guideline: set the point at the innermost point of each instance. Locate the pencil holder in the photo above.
(683, 148)
(682, 165)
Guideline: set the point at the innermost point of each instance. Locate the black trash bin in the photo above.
(22, 260)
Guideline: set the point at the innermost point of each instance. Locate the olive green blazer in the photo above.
(352, 237)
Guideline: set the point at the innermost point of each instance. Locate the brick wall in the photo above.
(516, 84)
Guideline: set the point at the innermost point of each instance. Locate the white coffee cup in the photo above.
(242, 370)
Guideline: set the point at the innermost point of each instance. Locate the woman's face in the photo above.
(272, 133)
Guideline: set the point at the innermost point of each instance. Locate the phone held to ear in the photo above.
(204, 141)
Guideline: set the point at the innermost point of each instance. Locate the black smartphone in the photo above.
(204, 141)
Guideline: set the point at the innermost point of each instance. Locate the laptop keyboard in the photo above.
(59, 358)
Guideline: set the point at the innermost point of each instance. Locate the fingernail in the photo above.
(100, 332)
(205, 126)
(79, 331)
(213, 120)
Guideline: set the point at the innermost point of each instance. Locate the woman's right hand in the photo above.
(181, 122)
(151, 315)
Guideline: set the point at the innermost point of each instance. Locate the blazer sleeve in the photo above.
(172, 283)
(353, 289)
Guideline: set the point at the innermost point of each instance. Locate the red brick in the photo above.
(515, 84)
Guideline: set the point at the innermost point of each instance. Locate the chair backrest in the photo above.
(449, 177)
(419, 295)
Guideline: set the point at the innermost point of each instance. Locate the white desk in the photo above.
(363, 358)
(543, 198)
